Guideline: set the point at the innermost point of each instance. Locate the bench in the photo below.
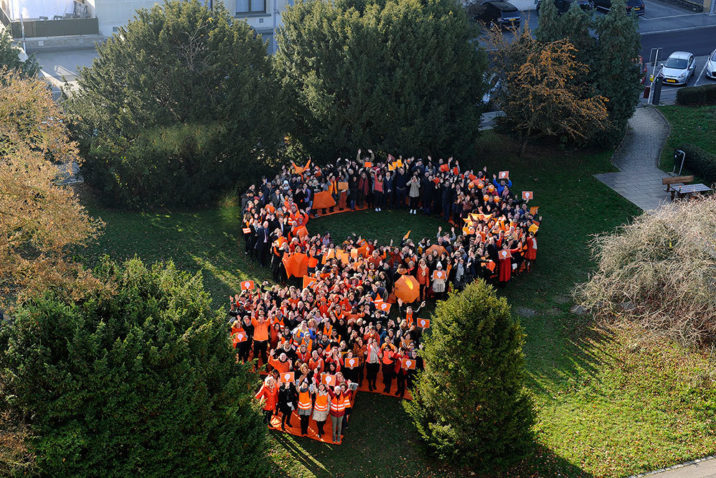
(689, 189)
(672, 182)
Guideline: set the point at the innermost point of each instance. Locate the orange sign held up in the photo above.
(527, 195)
(328, 379)
(287, 377)
(504, 175)
(351, 362)
(424, 323)
(247, 285)
(408, 363)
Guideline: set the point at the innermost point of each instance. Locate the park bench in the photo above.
(673, 182)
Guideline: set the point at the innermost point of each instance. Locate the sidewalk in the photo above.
(704, 468)
(639, 179)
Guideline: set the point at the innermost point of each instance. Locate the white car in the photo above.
(711, 66)
(678, 68)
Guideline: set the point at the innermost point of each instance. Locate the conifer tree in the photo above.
(551, 25)
(616, 70)
(399, 76)
(470, 404)
(9, 57)
(141, 381)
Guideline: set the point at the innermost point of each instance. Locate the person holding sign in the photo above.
(504, 182)
(439, 281)
(337, 410)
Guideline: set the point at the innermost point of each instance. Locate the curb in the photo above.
(664, 139)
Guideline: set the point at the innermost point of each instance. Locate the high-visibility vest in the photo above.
(321, 403)
(337, 403)
(304, 401)
(347, 401)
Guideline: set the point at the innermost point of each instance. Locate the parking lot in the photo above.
(668, 92)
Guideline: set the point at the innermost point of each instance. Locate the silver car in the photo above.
(678, 68)
(711, 66)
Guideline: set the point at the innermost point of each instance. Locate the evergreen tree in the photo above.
(9, 57)
(177, 107)
(615, 64)
(551, 25)
(576, 24)
(398, 76)
(470, 404)
(141, 381)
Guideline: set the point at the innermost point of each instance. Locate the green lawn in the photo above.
(695, 125)
(609, 403)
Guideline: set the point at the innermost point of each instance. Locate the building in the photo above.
(48, 18)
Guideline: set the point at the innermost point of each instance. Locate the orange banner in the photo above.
(323, 200)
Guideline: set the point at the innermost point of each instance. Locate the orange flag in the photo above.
(308, 280)
(384, 306)
(296, 265)
(424, 323)
(329, 380)
(247, 285)
(526, 195)
(407, 235)
(351, 362)
(287, 377)
(504, 175)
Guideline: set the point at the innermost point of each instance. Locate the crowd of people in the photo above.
(343, 316)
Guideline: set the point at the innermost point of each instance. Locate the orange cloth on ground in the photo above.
(323, 200)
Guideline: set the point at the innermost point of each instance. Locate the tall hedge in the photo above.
(177, 107)
(395, 75)
(470, 404)
(141, 381)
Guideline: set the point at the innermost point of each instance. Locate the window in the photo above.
(250, 6)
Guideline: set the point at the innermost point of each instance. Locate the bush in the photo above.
(700, 162)
(181, 122)
(696, 95)
(139, 382)
(470, 404)
(660, 272)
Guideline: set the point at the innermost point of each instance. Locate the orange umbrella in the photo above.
(435, 247)
(407, 289)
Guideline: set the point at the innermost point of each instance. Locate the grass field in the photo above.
(610, 403)
(688, 125)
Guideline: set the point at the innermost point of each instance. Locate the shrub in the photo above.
(139, 382)
(659, 271)
(470, 404)
(696, 95)
(700, 162)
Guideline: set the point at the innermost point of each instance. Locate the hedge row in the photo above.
(697, 95)
(700, 162)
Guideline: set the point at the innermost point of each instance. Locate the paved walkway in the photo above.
(637, 157)
(704, 468)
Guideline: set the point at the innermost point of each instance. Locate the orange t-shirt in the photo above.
(260, 330)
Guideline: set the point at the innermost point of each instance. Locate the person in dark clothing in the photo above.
(287, 401)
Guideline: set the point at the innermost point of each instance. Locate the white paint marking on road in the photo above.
(700, 27)
(706, 63)
(674, 16)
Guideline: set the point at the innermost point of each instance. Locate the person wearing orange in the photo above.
(282, 365)
(439, 279)
(531, 254)
(261, 336)
(320, 407)
(505, 264)
(337, 411)
(388, 359)
(423, 277)
(268, 395)
(305, 405)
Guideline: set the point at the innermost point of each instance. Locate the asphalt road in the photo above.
(700, 42)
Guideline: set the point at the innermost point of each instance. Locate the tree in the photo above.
(616, 68)
(177, 107)
(139, 381)
(541, 98)
(10, 58)
(551, 24)
(39, 219)
(470, 404)
(399, 75)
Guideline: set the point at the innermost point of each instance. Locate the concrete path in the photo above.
(704, 468)
(637, 157)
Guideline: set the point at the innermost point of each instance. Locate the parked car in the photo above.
(503, 14)
(636, 6)
(678, 68)
(711, 66)
(563, 5)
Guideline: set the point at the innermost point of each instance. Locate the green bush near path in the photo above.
(609, 403)
(689, 125)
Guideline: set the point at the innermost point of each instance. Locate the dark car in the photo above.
(636, 6)
(503, 14)
(563, 5)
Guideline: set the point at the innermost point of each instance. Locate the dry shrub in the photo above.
(659, 271)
